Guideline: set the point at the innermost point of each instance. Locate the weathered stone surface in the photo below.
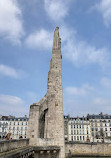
(88, 149)
(46, 123)
(26, 152)
(46, 152)
(9, 145)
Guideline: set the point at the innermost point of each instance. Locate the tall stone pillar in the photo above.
(46, 122)
(54, 122)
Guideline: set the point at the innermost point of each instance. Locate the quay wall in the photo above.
(8, 145)
(88, 149)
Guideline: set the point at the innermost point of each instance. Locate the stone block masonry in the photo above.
(13, 144)
(46, 122)
(88, 149)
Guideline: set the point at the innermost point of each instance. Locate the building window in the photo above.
(71, 131)
(77, 137)
(83, 137)
(72, 138)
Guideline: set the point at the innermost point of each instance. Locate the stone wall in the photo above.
(81, 149)
(13, 144)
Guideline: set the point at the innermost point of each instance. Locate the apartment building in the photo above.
(92, 128)
(3, 126)
(15, 126)
(18, 127)
(78, 129)
(100, 126)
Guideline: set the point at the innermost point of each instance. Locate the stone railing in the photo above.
(8, 145)
(46, 142)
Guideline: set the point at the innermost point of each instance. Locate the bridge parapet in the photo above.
(21, 149)
(46, 142)
(46, 151)
(8, 145)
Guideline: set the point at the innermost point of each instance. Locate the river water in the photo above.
(89, 157)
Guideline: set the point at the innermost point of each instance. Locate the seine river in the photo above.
(89, 157)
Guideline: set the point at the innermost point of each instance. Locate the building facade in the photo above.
(79, 129)
(18, 127)
(92, 128)
(3, 127)
(100, 126)
(15, 126)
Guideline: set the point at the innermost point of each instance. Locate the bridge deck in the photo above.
(19, 152)
(27, 151)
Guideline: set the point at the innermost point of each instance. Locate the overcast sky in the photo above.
(26, 34)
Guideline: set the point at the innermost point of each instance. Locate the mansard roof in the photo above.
(99, 116)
